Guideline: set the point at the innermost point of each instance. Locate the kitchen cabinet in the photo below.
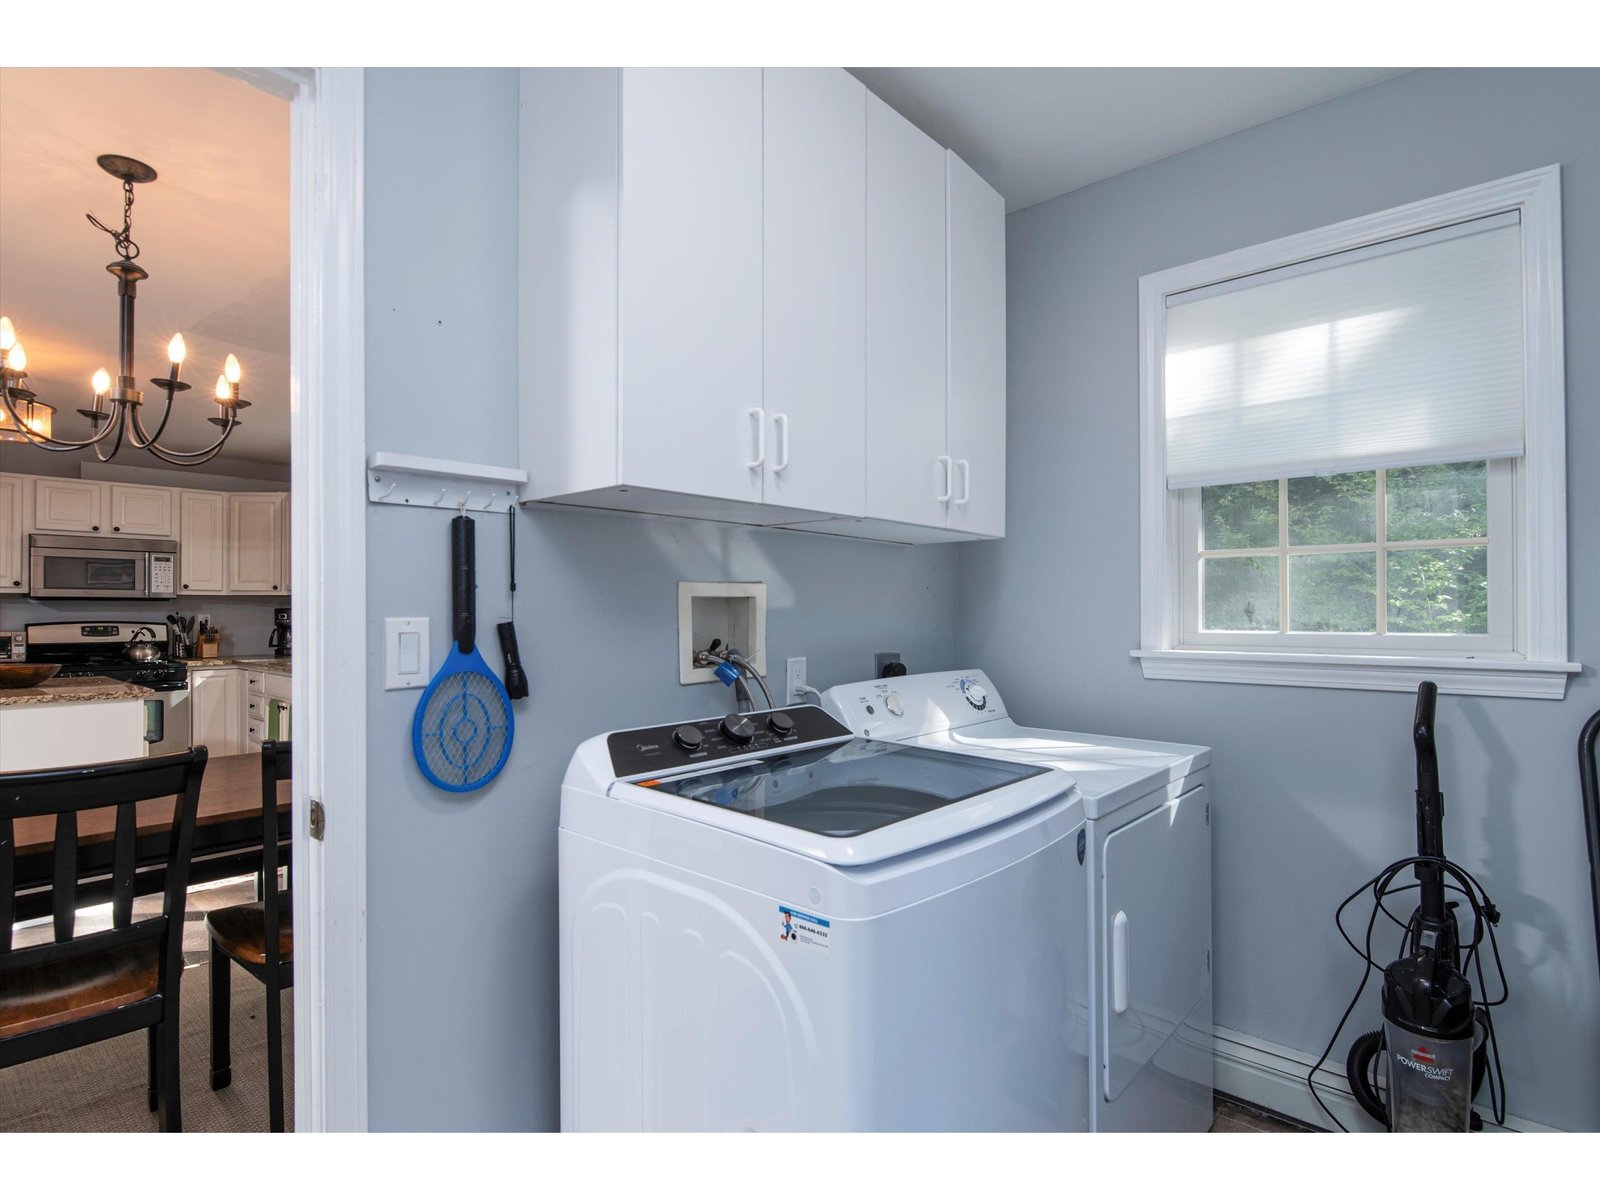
(814, 280)
(217, 709)
(757, 297)
(48, 736)
(68, 505)
(976, 258)
(13, 541)
(202, 543)
(254, 550)
(140, 511)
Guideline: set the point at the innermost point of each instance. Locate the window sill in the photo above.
(1514, 677)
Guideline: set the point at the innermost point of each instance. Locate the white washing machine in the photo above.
(767, 923)
(1147, 848)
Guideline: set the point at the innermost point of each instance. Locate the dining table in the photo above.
(227, 839)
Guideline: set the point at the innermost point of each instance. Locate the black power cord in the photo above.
(1485, 918)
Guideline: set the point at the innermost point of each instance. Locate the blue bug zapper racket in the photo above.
(462, 732)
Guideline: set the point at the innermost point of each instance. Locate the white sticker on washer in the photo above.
(803, 929)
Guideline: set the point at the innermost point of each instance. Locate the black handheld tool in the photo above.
(516, 677)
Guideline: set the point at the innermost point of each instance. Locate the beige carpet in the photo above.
(101, 1088)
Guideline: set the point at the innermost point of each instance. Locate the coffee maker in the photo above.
(278, 642)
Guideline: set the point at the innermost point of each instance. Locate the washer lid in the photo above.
(857, 801)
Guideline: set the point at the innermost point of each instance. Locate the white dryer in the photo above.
(767, 923)
(1146, 845)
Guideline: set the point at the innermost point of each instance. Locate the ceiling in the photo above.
(213, 230)
(1038, 133)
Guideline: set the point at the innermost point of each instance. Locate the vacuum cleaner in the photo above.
(1422, 1069)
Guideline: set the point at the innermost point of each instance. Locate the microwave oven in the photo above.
(101, 568)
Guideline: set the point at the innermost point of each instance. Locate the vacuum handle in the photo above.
(1422, 739)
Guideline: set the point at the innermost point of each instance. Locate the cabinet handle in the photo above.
(1119, 963)
(781, 420)
(186, 587)
(761, 437)
(96, 529)
(116, 529)
(966, 480)
(944, 496)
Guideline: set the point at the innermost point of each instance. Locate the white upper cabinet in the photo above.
(254, 556)
(814, 261)
(13, 542)
(68, 506)
(141, 511)
(976, 257)
(202, 542)
(734, 305)
(908, 470)
(690, 280)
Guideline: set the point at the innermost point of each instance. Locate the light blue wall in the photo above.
(1313, 787)
(462, 892)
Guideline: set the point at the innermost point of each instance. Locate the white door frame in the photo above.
(327, 398)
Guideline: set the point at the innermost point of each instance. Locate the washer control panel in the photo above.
(671, 747)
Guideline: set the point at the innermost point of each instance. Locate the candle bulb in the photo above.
(101, 385)
(175, 352)
(8, 334)
(17, 357)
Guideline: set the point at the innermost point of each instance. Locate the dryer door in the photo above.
(1155, 937)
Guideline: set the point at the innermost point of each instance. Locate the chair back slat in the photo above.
(121, 786)
(276, 766)
(8, 881)
(124, 864)
(64, 888)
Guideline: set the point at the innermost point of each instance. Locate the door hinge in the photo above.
(319, 820)
(1208, 812)
(1208, 962)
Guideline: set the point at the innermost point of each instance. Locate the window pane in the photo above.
(1333, 510)
(1240, 516)
(1447, 501)
(1439, 591)
(1333, 593)
(1239, 593)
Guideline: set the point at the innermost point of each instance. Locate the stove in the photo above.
(96, 648)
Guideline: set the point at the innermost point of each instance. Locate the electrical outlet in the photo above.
(796, 679)
(881, 660)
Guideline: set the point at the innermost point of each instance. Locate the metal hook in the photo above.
(390, 492)
(465, 500)
(440, 500)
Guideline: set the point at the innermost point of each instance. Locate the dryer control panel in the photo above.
(912, 705)
(670, 747)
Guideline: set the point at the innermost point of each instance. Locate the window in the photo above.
(1353, 453)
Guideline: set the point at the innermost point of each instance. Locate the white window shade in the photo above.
(1400, 354)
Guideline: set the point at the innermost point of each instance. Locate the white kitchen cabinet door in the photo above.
(13, 542)
(216, 706)
(141, 511)
(814, 227)
(68, 506)
(908, 469)
(285, 558)
(689, 273)
(976, 253)
(254, 552)
(202, 542)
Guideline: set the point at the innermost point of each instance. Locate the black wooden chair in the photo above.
(239, 935)
(79, 989)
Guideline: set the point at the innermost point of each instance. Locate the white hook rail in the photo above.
(441, 483)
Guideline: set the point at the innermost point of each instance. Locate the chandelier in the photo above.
(118, 403)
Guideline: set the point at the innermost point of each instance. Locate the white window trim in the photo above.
(1540, 669)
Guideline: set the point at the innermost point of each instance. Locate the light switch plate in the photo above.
(406, 663)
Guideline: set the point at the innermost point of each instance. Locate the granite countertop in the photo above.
(271, 665)
(81, 690)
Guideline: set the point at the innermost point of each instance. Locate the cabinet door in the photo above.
(13, 545)
(216, 709)
(68, 505)
(908, 470)
(976, 250)
(285, 543)
(689, 275)
(202, 535)
(141, 511)
(254, 552)
(815, 269)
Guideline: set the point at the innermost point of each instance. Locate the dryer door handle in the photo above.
(1119, 963)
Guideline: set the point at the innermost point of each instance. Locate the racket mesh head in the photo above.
(463, 727)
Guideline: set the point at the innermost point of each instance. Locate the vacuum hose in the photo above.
(1590, 779)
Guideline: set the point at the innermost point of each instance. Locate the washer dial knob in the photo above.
(738, 728)
(781, 724)
(895, 705)
(688, 738)
(976, 696)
